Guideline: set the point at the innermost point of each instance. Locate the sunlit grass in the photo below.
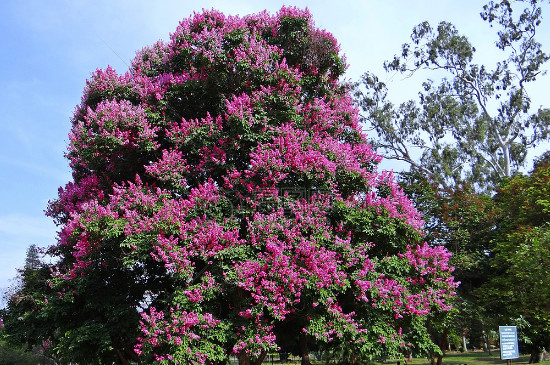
(470, 358)
(451, 358)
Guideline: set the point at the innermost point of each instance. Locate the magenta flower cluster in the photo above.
(189, 164)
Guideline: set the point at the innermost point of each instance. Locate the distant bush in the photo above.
(9, 355)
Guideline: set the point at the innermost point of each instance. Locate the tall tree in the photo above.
(23, 329)
(477, 124)
(521, 289)
(223, 191)
(32, 260)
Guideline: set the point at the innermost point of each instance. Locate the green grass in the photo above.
(451, 358)
(472, 358)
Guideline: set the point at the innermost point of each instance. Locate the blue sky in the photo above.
(51, 47)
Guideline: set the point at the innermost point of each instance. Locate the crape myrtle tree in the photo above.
(224, 200)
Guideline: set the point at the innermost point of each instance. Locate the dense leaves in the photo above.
(521, 292)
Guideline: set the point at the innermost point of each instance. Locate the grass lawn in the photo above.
(450, 358)
(473, 358)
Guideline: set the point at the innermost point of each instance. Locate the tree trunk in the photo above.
(244, 358)
(122, 358)
(537, 357)
(486, 344)
(464, 346)
(442, 345)
(506, 153)
(409, 355)
(304, 351)
(260, 359)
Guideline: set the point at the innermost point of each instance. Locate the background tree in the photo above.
(477, 125)
(91, 319)
(520, 288)
(32, 260)
(15, 355)
(463, 221)
(23, 340)
(222, 190)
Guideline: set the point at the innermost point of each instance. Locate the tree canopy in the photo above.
(519, 290)
(224, 199)
(475, 125)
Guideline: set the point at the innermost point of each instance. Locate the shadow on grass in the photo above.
(474, 358)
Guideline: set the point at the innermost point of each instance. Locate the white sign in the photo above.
(509, 348)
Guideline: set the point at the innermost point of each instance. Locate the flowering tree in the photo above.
(226, 179)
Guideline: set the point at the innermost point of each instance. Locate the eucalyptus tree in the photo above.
(477, 123)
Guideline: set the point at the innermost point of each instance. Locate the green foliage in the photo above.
(10, 355)
(51, 313)
(463, 221)
(459, 219)
(521, 288)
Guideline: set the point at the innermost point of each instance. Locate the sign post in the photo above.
(509, 348)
